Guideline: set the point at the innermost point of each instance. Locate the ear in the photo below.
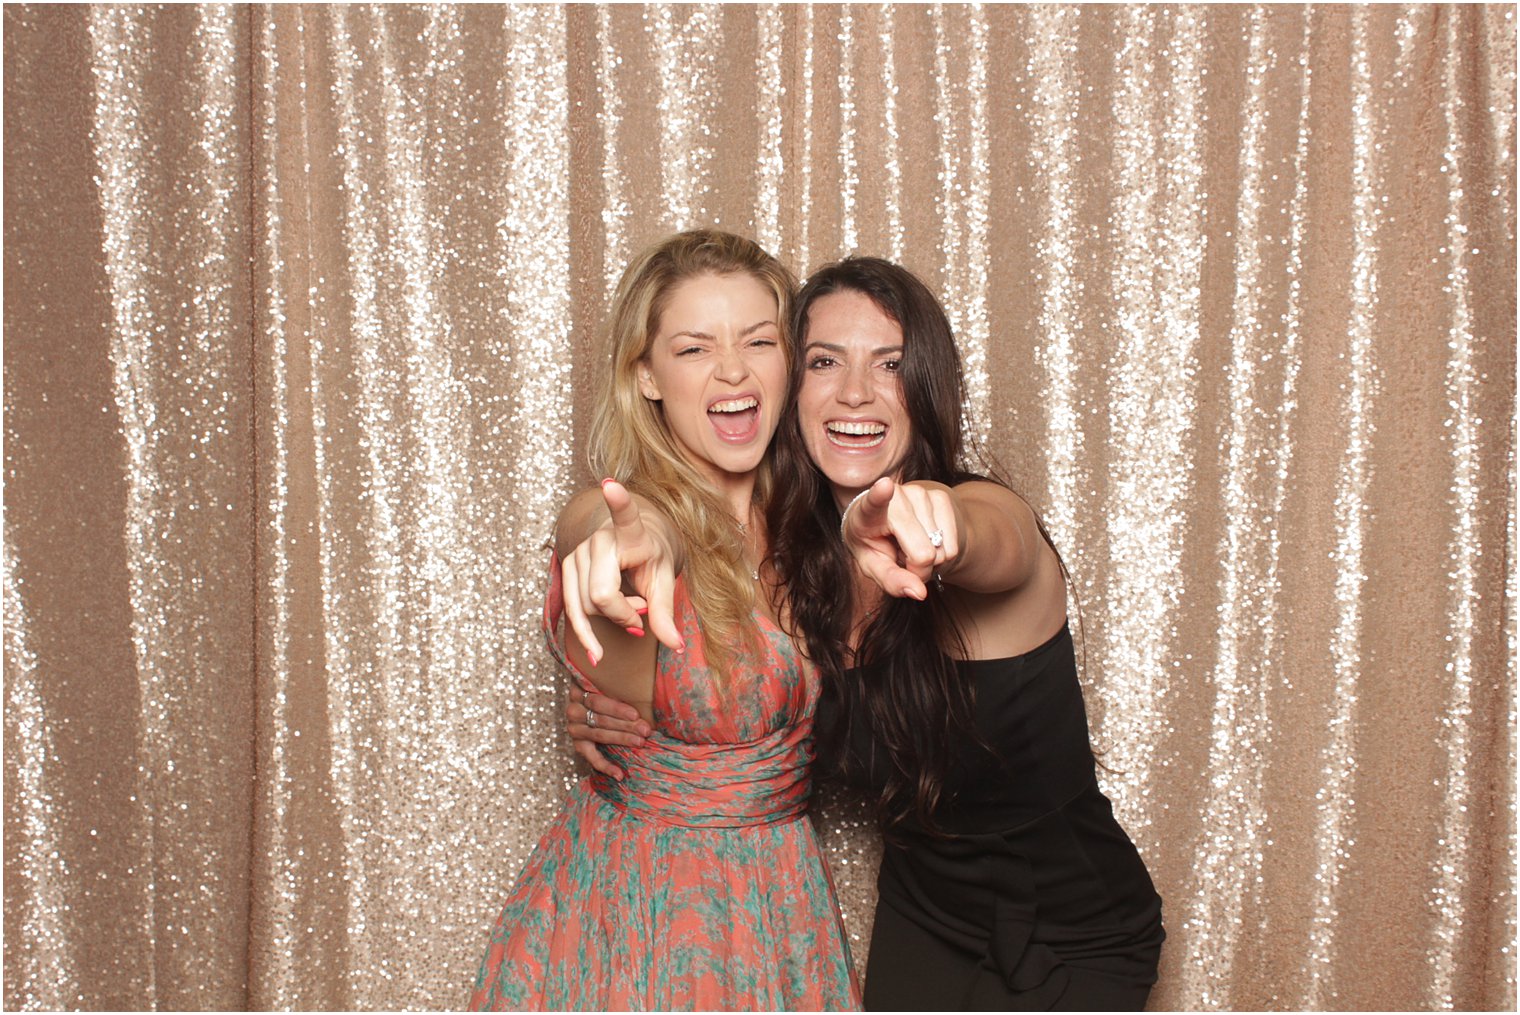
(647, 386)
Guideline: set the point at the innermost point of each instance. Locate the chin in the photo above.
(741, 462)
(850, 479)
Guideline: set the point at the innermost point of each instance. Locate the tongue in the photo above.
(734, 424)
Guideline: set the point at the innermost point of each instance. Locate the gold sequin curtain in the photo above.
(301, 316)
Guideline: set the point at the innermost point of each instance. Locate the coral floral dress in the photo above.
(697, 882)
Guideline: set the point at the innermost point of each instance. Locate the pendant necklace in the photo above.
(754, 572)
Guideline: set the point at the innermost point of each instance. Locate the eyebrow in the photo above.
(879, 351)
(702, 334)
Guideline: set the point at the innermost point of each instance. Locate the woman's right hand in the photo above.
(594, 571)
(902, 534)
(616, 723)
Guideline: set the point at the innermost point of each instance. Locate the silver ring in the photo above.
(590, 718)
(937, 538)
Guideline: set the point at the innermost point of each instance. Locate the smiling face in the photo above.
(717, 367)
(853, 418)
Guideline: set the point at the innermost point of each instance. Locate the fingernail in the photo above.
(637, 632)
(606, 481)
(593, 657)
(681, 649)
(642, 610)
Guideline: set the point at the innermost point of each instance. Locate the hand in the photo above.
(616, 723)
(593, 576)
(890, 532)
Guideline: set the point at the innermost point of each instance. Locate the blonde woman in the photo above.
(695, 882)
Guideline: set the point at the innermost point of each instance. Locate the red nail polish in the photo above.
(606, 481)
(637, 632)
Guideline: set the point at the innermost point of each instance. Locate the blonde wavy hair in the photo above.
(630, 441)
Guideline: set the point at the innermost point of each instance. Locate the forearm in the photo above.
(999, 539)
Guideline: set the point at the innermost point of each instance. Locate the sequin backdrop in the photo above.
(302, 311)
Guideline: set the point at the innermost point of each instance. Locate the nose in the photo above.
(856, 389)
(731, 366)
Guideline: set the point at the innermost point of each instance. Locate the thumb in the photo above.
(872, 508)
(626, 523)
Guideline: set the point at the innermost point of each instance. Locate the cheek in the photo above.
(810, 394)
(777, 380)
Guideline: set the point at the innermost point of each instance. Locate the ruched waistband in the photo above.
(712, 785)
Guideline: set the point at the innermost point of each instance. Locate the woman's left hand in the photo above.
(901, 535)
(615, 722)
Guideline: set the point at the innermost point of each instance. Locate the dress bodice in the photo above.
(717, 757)
(1033, 755)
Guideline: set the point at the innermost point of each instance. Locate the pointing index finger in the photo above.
(662, 621)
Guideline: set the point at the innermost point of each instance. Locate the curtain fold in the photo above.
(304, 310)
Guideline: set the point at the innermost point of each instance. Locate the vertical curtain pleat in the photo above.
(305, 309)
(172, 172)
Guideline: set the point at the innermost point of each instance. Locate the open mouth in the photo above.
(737, 419)
(849, 434)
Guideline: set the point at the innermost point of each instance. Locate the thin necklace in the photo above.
(754, 572)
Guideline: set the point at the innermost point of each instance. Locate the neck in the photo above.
(738, 492)
(844, 494)
(736, 489)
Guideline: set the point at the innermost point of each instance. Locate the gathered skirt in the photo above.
(620, 912)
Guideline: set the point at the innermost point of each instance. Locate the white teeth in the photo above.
(736, 405)
(858, 429)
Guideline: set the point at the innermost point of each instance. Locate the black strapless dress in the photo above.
(1033, 897)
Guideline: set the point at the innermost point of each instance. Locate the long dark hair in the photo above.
(916, 702)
